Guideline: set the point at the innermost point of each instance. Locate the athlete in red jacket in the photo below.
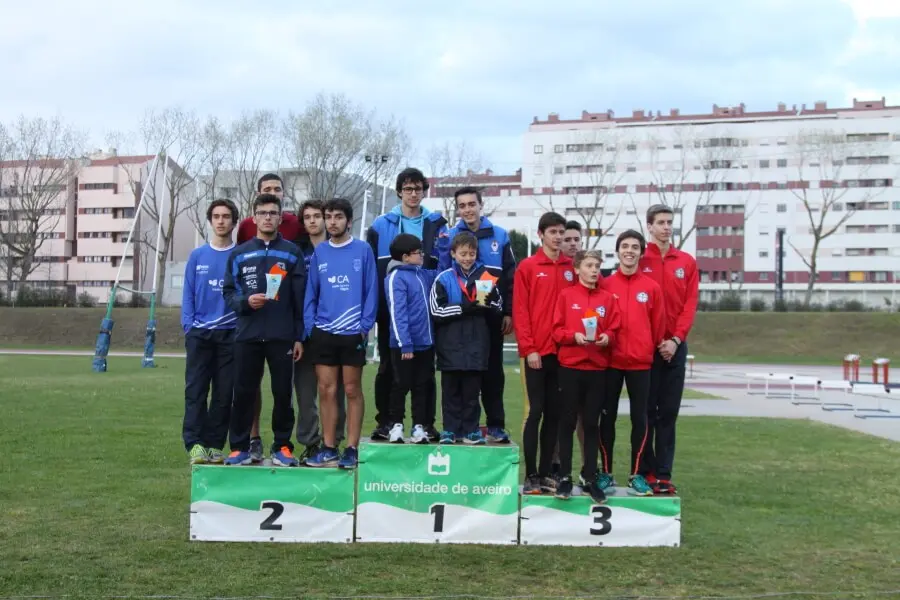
(676, 273)
(538, 281)
(290, 229)
(586, 324)
(643, 312)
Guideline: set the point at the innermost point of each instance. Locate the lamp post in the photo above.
(377, 159)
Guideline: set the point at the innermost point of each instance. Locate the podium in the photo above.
(271, 504)
(622, 521)
(438, 494)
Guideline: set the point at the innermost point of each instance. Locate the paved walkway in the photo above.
(725, 380)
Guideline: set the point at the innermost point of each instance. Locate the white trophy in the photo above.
(590, 328)
(273, 282)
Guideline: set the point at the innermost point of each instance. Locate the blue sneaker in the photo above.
(284, 458)
(447, 437)
(475, 438)
(350, 458)
(238, 458)
(327, 457)
(497, 435)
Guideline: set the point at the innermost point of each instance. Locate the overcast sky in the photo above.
(477, 70)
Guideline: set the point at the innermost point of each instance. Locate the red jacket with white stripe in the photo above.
(643, 311)
(573, 305)
(677, 275)
(536, 287)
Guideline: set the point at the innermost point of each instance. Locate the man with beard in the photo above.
(340, 311)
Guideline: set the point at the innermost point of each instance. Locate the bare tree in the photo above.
(176, 135)
(214, 144)
(824, 156)
(250, 152)
(689, 164)
(329, 140)
(37, 166)
(452, 166)
(590, 182)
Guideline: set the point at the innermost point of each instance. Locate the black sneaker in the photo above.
(554, 471)
(433, 434)
(596, 492)
(548, 484)
(382, 433)
(532, 485)
(309, 452)
(256, 451)
(564, 489)
(664, 487)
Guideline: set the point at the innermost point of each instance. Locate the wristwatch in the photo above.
(677, 340)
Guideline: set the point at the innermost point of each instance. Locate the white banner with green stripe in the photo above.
(271, 504)
(621, 521)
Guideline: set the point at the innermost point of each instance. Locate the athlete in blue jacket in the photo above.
(412, 345)
(209, 340)
(413, 218)
(341, 305)
(495, 252)
(264, 284)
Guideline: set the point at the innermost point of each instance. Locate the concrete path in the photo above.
(725, 380)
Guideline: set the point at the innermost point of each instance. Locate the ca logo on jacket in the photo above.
(601, 310)
(568, 275)
(679, 273)
(642, 297)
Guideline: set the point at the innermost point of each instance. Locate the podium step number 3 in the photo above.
(622, 521)
(260, 504)
(443, 494)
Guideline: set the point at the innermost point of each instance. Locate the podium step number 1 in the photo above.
(271, 504)
(443, 494)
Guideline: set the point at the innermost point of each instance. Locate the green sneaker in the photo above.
(198, 455)
(638, 486)
(215, 456)
(606, 482)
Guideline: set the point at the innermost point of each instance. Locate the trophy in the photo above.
(590, 328)
(273, 282)
(483, 287)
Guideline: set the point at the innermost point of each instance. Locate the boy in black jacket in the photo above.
(265, 281)
(460, 300)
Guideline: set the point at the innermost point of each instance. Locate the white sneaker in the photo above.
(419, 435)
(396, 435)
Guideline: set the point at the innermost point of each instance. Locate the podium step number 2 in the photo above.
(260, 504)
(444, 494)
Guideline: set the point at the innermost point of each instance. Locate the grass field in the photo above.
(94, 495)
(769, 338)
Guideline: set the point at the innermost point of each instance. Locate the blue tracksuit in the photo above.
(494, 251)
(202, 303)
(407, 288)
(342, 289)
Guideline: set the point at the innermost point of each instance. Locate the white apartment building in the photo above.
(734, 177)
(86, 232)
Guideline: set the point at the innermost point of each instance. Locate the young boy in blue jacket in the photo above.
(461, 298)
(412, 345)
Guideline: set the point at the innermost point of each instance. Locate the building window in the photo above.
(558, 148)
(782, 208)
(539, 149)
(631, 147)
(764, 254)
(763, 276)
(782, 163)
(510, 213)
(558, 170)
(763, 164)
(631, 168)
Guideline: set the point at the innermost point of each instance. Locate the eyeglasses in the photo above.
(267, 213)
(412, 190)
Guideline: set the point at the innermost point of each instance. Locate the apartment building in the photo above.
(734, 177)
(87, 223)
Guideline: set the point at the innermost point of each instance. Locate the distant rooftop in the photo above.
(738, 112)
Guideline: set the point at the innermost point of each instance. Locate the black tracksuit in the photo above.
(266, 335)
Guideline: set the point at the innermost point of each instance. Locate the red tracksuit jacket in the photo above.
(290, 228)
(643, 311)
(536, 288)
(574, 304)
(677, 276)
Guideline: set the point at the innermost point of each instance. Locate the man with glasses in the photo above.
(430, 227)
(265, 282)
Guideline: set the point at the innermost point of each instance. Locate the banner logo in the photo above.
(438, 463)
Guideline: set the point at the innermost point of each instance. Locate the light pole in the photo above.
(377, 159)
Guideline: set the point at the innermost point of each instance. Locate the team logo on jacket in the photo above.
(246, 270)
(495, 246)
(648, 270)
(568, 275)
(576, 306)
(323, 267)
(357, 265)
(601, 311)
(679, 273)
(282, 266)
(642, 297)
